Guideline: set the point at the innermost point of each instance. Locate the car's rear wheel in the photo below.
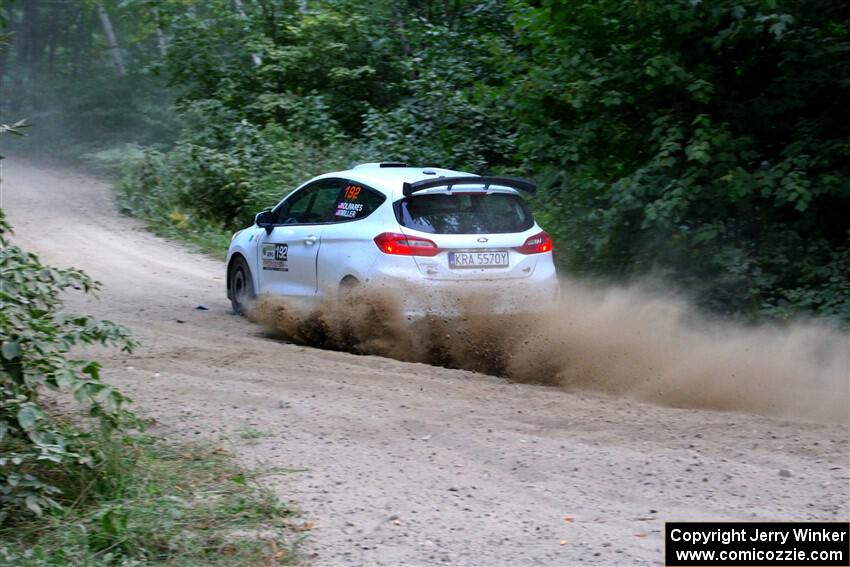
(241, 286)
(348, 287)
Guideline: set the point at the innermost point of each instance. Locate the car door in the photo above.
(348, 245)
(287, 255)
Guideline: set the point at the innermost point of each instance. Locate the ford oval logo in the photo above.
(482, 239)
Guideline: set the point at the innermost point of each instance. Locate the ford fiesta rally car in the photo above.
(426, 234)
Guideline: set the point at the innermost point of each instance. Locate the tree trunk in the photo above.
(160, 36)
(4, 58)
(53, 38)
(78, 42)
(30, 32)
(399, 22)
(240, 8)
(114, 48)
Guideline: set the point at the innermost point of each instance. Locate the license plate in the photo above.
(484, 259)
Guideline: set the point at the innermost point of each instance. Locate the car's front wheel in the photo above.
(241, 286)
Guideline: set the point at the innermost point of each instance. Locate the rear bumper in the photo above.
(419, 296)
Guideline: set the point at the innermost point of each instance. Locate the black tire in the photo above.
(241, 286)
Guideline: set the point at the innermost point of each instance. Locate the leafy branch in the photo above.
(36, 335)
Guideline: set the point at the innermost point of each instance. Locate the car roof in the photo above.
(389, 178)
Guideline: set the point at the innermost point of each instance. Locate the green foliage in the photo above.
(254, 129)
(82, 496)
(57, 72)
(115, 159)
(705, 141)
(315, 73)
(150, 503)
(443, 118)
(4, 22)
(215, 180)
(36, 336)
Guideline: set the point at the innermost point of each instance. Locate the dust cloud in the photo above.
(625, 342)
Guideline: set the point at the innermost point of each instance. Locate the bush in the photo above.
(35, 338)
(218, 176)
(703, 141)
(147, 502)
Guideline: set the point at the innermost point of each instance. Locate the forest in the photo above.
(704, 145)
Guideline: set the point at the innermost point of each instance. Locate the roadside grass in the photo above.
(250, 434)
(115, 163)
(203, 237)
(149, 502)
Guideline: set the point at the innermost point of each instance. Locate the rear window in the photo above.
(465, 213)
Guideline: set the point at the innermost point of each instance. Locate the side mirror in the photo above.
(265, 219)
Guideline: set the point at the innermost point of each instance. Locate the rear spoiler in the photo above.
(526, 185)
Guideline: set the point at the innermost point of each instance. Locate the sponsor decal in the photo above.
(275, 257)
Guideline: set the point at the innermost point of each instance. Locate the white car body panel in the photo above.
(309, 262)
(298, 278)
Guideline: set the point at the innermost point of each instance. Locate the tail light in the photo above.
(537, 244)
(404, 245)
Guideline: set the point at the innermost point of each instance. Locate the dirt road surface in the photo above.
(407, 464)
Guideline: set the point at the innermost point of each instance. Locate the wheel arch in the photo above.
(230, 263)
(347, 283)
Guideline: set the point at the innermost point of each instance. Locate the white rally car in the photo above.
(427, 234)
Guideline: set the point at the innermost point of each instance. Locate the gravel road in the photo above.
(407, 464)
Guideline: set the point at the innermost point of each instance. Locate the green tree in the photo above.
(706, 141)
(702, 141)
(443, 116)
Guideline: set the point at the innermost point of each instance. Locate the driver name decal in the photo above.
(275, 257)
(348, 210)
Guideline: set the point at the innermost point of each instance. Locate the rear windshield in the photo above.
(465, 213)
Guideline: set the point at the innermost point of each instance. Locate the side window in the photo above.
(295, 208)
(310, 205)
(323, 208)
(356, 202)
